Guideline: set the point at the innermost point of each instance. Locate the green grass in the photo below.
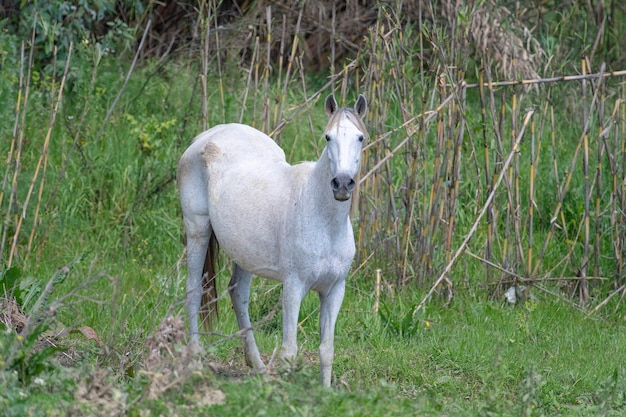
(475, 358)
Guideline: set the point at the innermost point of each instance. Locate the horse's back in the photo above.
(221, 160)
(234, 142)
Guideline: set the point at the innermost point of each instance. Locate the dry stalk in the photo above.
(257, 66)
(621, 216)
(426, 116)
(555, 164)
(10, 154)
(377, 291)
(547, 80)
(15, 150)
(498, 117)
(515, 175)
(19, 133)
(583, 287)
(455, 182)
(513, 252)
(75, 133)
(128, 74)
(565, 186)
(205, 23)
(266, 72)
(487, 170)
(601, 146)
(462, 247)
(214, 6)
(618, 215)
(290, 66)
(607, 299)
(244, 100)
(531, 197)
(42, 164)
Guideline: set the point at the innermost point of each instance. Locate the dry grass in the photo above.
(501, 40)
(11, 315)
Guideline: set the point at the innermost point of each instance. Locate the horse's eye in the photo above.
(361, 138)
(327, 138)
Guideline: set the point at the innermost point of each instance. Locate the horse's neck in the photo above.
(320, 196)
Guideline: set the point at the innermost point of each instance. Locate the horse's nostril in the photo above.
(343, 181)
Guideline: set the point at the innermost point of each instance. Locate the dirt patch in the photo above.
(169, 362)
(167, 345)
(99, 392)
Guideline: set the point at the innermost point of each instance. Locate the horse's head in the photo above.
(345, 134)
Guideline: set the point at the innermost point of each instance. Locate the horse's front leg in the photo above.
(239, 290)
(293, 293)
(330, 303)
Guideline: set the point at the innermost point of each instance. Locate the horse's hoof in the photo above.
(196, 349)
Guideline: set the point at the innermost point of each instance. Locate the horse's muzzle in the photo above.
(342, 186)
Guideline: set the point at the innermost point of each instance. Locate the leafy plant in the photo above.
(403, 325)
(9, 283)
(150, 132)
(27, 357)
(611, 395)
(57, 24)
(26, 353)
(528, 398)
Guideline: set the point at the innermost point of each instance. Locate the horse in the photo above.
(289, 223)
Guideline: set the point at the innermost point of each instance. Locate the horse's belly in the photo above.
(245, 210)
(253, 258)
(247, 240)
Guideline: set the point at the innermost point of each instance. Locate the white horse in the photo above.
(274, 220)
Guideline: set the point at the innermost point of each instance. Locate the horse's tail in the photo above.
(208, 307)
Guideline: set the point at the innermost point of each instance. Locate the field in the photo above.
(469, 188)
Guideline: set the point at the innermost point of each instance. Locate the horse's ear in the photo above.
(331, 105)
(361, 105)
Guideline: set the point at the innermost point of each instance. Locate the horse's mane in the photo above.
(349, 114)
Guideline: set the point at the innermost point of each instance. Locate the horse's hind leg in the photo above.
(192, 183)
(198, 233)
(239, 289)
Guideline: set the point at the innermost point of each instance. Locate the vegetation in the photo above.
(484, 178)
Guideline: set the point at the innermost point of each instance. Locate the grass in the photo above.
(475, 358)
(479, 357)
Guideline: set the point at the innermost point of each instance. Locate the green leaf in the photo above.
(9, 281)
(10, 277)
